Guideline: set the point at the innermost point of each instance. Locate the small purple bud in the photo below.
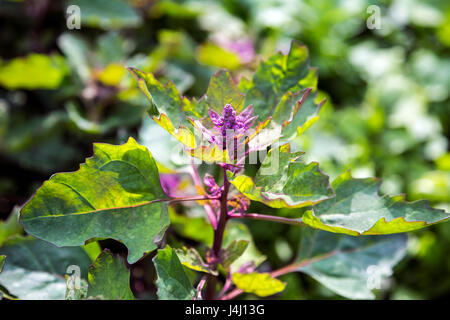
(215, 118)
(213, 188)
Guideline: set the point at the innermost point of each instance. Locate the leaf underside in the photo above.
(357, 209)
(350, 266)
(35, 269)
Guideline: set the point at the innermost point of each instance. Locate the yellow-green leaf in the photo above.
(35, 71)
(261, 284)
(191, 259)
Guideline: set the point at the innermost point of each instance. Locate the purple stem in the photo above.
(200, 286)
(218, 237)
(208, 209)
(257, 216)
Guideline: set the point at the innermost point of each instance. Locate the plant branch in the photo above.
(190, 198)
(226, 286)
(257, 216)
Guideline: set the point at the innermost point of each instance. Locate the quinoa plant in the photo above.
(351, 237)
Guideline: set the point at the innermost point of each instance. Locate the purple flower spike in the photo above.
(230, 121)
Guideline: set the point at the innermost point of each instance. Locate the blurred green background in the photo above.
(387, 115)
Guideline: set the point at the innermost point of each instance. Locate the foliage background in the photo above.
(387, 115)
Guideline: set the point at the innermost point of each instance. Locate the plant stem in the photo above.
(200, 286)
(257, 216)
(218, 236)
(191, 198)
(198, 182)
(223, 217)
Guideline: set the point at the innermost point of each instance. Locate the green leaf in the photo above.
(261, 284)
(191, 259)
(304, 115)
(2, 262)
(114, 195)
(92, 249)
(236, 231)
(194, 228)
(213, 55)
(165, 99)
(127, 115)
(234, 250)
(26, 72)
(282, 181)
(109, 278)
(168, 108)
(11, 226)
(172, 283)
(276, 76)
(35, 269)
(221, 91)
(116, 14)
(171, 111)
(357, 209)
(350, 266)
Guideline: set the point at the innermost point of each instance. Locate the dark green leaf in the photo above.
(283, 181)
(35, 269)
(173, 283)
(234, 250)
(114, 195)
(115, 14)
(276, 76)
(11, 226)
(251, 255)
(109, 278)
